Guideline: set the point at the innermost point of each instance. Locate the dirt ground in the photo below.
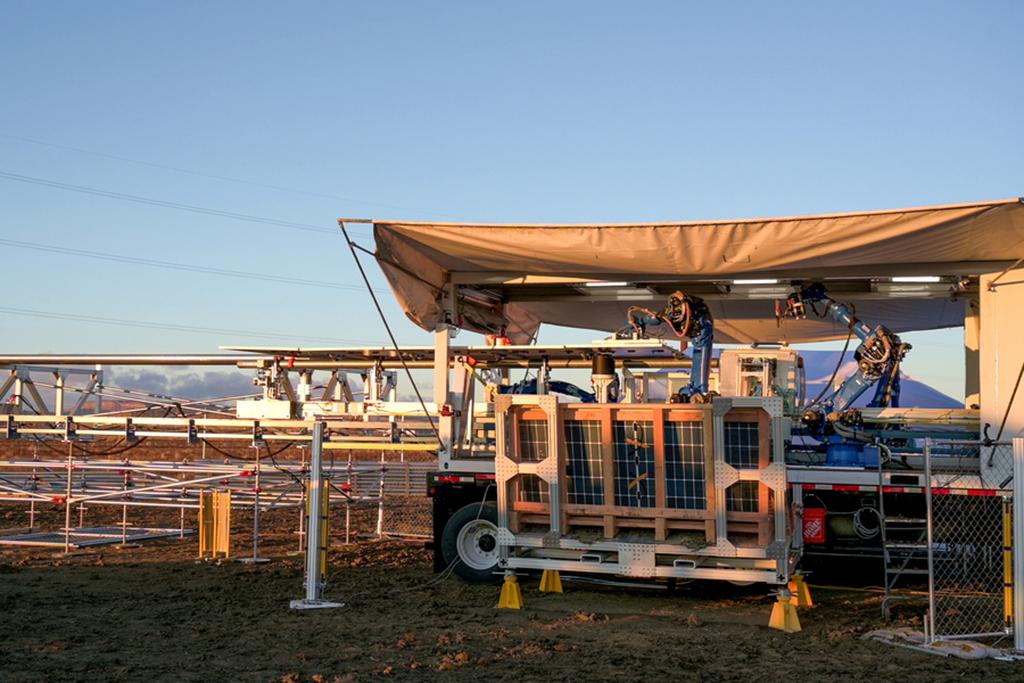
(153, 613)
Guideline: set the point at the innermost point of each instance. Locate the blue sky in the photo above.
(302, 113)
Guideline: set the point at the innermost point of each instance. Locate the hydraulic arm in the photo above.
(689, 318)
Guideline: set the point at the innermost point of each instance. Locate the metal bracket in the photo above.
(549, 404)
(725, 548)
(725, 475)
(637, 559)
(69, 429)
(774, 476)
(506, 537)
(778, 551)
(720, 406)
(502, 402)
(504, 468)
(12, 428)
(552, 539)
(773, 405)
(129, 431)
(257, 435)
(547, 470)
(193, 433)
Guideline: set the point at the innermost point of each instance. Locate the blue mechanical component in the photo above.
(530, 387)
(878, 363)
(689, 318)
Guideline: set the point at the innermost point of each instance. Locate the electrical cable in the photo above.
(176, 266)
(163, 204)
(222, 451)
(842, 356)
(113, 450)
(1010, 404)
(443, 576)
(176, 328)
(383, 318)
(227, 178)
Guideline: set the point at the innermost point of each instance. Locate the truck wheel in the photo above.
(470, 542)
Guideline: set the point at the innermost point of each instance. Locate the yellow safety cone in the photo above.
(550, 581)
(801, 594)
(784, 616)
(511, 596)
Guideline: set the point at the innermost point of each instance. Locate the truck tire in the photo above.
(470, 543)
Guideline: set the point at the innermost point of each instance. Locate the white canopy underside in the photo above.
(506, 261)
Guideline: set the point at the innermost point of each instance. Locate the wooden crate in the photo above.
(617, 467)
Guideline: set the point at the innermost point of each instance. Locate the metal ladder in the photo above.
(903, 557)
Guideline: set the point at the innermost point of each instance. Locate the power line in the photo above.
(178, 328)
(177, 266)
(165, 204)
(229, 179)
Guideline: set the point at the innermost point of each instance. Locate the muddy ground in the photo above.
(153, 613)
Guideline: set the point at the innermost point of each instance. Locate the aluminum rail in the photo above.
(149, 359)
(250, 361)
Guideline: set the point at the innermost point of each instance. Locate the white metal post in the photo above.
(67, 501)
(316, 522)
(930, 626)
(316, 539)
(445, 426)
(98, 401)
(1018, 543)
(59, 395)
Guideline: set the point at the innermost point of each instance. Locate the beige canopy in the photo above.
(587, 276)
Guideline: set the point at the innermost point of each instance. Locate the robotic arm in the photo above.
(689, 318)
(878, 356)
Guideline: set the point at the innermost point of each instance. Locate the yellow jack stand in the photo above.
(511, 596)
(550, 581)
(801, 595)
(784, 616)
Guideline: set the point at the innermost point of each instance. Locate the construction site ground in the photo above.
(152, 612)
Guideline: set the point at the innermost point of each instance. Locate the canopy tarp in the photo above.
(524, 275)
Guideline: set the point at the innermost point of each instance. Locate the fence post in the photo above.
(930, 625)
(1018, 543)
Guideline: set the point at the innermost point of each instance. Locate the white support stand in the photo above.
(316, 543)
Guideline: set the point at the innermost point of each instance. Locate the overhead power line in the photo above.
(167, 205)
(227, 178)
(179, 328)
(178, 266)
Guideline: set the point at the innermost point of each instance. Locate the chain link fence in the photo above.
(407, 512)
(969, 517)
(408, 517)
(382, 499)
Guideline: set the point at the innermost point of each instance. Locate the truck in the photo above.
(733, 475)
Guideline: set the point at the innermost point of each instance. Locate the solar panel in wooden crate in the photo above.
(645, 467)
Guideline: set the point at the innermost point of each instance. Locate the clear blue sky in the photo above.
(302, 113)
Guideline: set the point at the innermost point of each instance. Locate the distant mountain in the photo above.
(818, 367)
